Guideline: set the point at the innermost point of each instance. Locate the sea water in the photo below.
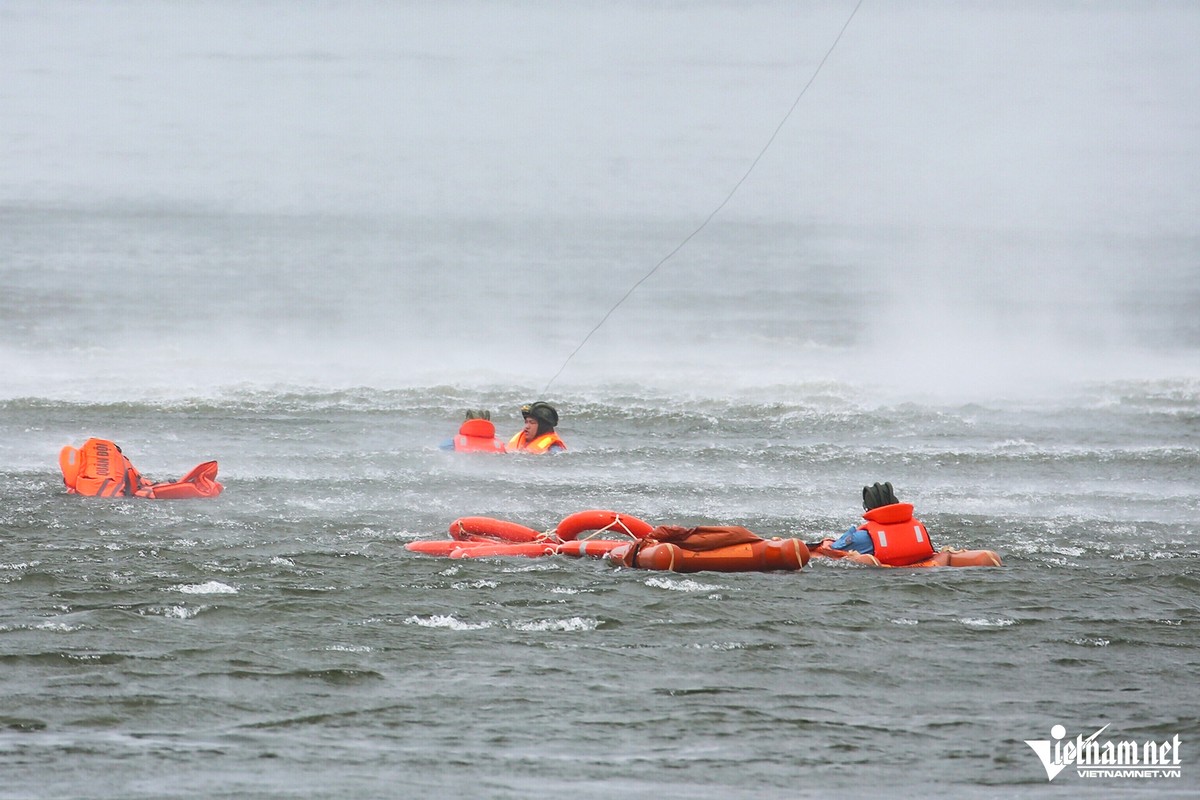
(303, 238)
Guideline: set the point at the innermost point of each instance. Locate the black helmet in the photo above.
(543, 412)
(881, 494)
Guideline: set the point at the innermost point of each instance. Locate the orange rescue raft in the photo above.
(948, 557)
(719, 548)
(766, 555)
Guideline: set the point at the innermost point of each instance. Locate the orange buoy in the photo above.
(596, 548)
(525, 549)
(603, 521)
(487, 529)
(765, 555)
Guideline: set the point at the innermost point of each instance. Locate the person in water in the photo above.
(538, 435)
(477, 434)
(890, 532)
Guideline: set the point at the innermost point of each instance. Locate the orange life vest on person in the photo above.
(899, 539)
(478, 436)
(541, 444)
(100, 469)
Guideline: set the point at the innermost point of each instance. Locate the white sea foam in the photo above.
(60, 627)
(446, 621)
(681, 585)
(208, 587)
(565, 625)
(173, 612)
(482, 583)
(979, 622)
(1092, 641)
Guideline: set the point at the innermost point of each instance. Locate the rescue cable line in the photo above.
(720, 205)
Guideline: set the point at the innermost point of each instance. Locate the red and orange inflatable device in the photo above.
(678, 549)
(719, 548)
(100, 469)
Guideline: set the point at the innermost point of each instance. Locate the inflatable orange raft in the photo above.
(947, 557)
(717, 548)
(766, 555)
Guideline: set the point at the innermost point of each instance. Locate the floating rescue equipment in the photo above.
(200, 482)
(478, 436)
(444, 547)
(899, 539)
(100, 469)
(490, 529)
(719, 548)
(767, 555)
(493, 550)
(948, 557)
(595, 548)
(601, 521)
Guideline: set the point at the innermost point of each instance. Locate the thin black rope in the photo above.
(716, 210)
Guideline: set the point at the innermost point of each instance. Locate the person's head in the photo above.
(540, 418)
(881, 494)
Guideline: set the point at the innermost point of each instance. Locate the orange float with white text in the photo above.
(99, 469)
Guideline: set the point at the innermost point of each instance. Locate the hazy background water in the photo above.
(302, 237)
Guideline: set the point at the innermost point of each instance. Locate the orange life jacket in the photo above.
(899, 538)
(539, 445)
(99, 469)
(478, 436)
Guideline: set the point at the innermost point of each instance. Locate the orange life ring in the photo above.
(524, 549)
(603, 521)
(766, 555)
(596, 548)
(487, 529)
